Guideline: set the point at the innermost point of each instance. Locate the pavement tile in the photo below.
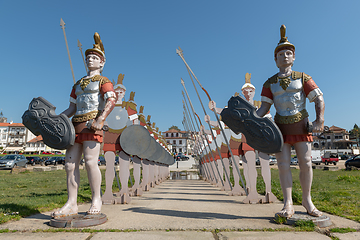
(271, 235)
(348, 236)
(154, 235)
(44, 236)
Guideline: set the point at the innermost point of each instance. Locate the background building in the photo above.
(180, 141)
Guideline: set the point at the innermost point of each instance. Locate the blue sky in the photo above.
(221, 40)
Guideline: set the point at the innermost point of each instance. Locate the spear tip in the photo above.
(79, 44)
(62, 23)
(182, 81)
(179, 51)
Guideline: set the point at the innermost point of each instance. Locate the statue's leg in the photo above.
(145, 173)
(221, 171)
(108, 196)
(136, 173)
(72, 161)
(303, 152)
(246, 172)
(124, 161)
(253, 196)
(266, 174)
(91, 150)
(283, 160)
(237, 189)
(227, 172)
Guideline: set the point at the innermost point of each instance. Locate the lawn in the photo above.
(334, 192)
(28, 193)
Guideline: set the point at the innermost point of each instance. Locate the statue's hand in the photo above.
(207, 118)
(97, 125)
(318, 125)
(212, 105)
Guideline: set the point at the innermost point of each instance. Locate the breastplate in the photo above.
(290, 101)
(88, 100)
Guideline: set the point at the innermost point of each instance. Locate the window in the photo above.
(166, 135)
(174, 141)
(177, 134)
(172, 134)
(180, 142)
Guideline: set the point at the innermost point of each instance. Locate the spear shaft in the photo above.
(62, 24)
(199, 143)
(82, 55)
(191, 73)
(183, 83)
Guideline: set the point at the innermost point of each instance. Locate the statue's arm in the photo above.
(264, 109)
(71, 110)
(318, 124)
(109, 106)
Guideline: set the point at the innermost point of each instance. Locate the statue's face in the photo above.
(94, 62)
(120, 93)
(249, 93)
(285, 58)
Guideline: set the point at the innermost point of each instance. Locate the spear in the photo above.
(199, 143)
(205, 145)
(187, 111)
(212, 134)
(180, 53)
(82, 55)
(62, 24)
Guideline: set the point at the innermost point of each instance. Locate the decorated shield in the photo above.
(57, 131)
(261, 134)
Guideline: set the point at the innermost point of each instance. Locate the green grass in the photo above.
(29, 193)
(334, 192)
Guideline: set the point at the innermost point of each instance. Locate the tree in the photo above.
(355, 132)
(174, 127)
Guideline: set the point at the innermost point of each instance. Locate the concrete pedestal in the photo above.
(322, 221)
(79, 221)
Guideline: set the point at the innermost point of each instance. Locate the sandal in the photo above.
(93, 210)
(286, 213)
(315, 213)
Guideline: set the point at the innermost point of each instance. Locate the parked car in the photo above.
(13, 160)
(344, 157)
(181, 157)
(55, 161)
(272, 160)
(34, 160)
(101, 161)
(316, 157)
(353, 162)
(294, 161)
(330, 158)
(48, 153)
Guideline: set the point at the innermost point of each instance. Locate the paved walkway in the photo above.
(179, 209)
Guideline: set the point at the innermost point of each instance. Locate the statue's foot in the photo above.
(252, 198)
(270, 197)
(314, 213)
(286, 212)
(95, 207)
(310, 208)
(237, 191)
(67, 210)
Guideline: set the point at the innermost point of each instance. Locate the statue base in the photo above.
(80, 220)
(321, 222)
